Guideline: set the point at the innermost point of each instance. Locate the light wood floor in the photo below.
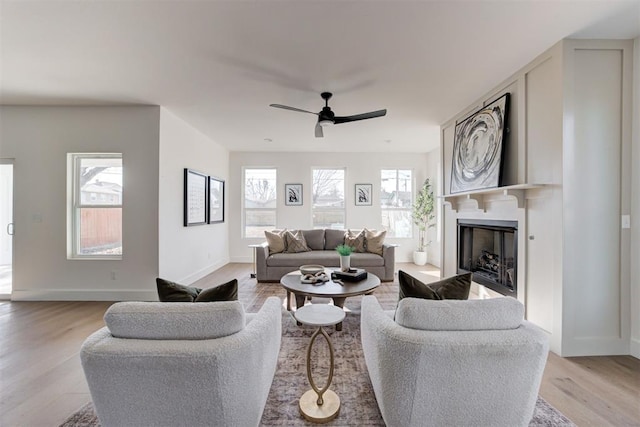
(41, 380)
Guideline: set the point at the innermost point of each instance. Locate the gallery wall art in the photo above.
(195, 198)
(363, 194)
(293, 194)
(478, 148)
(216, 200)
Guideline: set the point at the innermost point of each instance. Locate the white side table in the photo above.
(319, 405)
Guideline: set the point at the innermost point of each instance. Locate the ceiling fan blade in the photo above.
(362, 116)
(319, 133)
(286, 107)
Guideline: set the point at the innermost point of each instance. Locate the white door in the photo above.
(6, 227)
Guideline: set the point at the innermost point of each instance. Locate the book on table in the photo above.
(352, 275)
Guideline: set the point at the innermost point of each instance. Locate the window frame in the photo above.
(343, 209)
(408, 209)
(74, 222)
(244, 200)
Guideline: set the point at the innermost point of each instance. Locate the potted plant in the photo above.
(345, 256)
(423, 217)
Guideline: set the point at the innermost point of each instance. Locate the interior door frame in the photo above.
(10, 161)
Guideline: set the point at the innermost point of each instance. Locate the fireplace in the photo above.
(489, 249)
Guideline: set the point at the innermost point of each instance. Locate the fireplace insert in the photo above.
(489, 249)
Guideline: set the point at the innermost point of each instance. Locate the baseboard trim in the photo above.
(203, 272)
(85, 295)
(635, 348)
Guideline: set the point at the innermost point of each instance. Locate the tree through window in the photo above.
(260, 198)
(328, 198)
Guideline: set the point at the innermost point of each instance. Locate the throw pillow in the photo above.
(355, 240)
(410, 287)
(174, 292)
(275, 240)
(374, 241)
(295, 242)
(225, 292)
(455, 287)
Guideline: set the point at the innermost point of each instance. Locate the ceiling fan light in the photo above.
(325, 122)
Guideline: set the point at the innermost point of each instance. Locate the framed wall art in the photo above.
(364, 194)
(478, 148)
(216, 200)
(195, 198)
(293, 194)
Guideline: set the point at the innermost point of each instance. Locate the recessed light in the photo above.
(268, 140)
(388, 141)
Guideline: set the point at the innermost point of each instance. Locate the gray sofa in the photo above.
(322, 242)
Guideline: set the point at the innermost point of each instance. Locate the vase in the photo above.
(345, 262)
(419, 257)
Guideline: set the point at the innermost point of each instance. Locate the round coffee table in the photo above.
(336, 291)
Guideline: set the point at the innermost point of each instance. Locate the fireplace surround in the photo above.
(489, 249)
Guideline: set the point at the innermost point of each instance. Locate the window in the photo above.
(396, 196)
(328, 198)
(259, 201)
(95, 214)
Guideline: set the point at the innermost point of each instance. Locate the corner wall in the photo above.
(361, 168)
(635, 208)
(188, 253)
(39, 138)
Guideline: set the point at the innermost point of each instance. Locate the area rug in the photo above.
(350, 381)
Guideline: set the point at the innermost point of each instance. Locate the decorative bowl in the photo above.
(311, 269)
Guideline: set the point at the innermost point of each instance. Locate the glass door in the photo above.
(6, 228)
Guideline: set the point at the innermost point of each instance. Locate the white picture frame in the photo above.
(364, 194)
(293, 194)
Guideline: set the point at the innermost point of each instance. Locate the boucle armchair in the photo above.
(183, 364)
(453, 363)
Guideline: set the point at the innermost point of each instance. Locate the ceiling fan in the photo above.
(326, 117)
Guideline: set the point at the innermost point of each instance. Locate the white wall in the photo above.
(188, 253)
(361, 168)
(433, 173)
(635, 209)
(39, 138)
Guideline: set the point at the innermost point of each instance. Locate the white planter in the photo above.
(419, 258)
(345, 262)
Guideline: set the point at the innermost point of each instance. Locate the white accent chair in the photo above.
(453, 363)
(183, 364)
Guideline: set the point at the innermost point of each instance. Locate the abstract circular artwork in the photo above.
(477, 148)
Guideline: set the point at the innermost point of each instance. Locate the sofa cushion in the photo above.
(179, 321)
(366, 260)
(355, 239)
(295, 242)
(315, 239)
(374, 240)
(225, 292)
(333, 238)
(275, 240)
(326, 258)
(460, 315)
(455, 287)
(174, 292)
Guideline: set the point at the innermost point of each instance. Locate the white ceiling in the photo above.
(218, 65)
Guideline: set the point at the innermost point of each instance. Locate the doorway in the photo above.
(6, 228)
